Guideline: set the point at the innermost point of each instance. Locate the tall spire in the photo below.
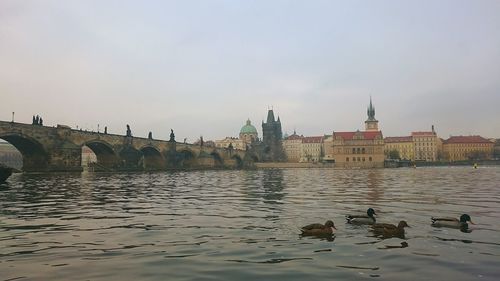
(371, 111)
(371, 124)
(270, 116)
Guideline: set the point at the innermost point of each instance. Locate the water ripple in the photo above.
(245, 225)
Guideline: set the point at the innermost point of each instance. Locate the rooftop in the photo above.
(398, 139)
(312, 139)
(429, 133)
(466, 139)
(367, 135)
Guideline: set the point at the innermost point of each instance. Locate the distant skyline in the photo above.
(205, 67)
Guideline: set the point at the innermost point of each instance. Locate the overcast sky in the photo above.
(204, 67)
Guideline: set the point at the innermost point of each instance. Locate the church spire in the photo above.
(371, 124)
(371, 111)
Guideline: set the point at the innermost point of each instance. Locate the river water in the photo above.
(244, 225)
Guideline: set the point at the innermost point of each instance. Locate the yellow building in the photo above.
(235, 142)
(312, 149)
(360, 149)
(460, 148)
(425, 145)
(328, 149)
(403, 145)
(292, 146)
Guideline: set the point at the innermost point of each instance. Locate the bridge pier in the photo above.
(67, 158)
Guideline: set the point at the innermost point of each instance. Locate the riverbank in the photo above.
(388, 164)
(287, 165)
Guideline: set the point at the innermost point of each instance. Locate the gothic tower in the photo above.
(371, 124)
(272, 139)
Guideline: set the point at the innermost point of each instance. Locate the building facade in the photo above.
(292, 145)
(359, 149)
(403, 145)
(236, 143)
(461, 148)
(312, 149)
(426, 145)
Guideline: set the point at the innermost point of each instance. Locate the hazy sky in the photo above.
(204, 67)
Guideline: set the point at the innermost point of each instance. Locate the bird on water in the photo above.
(387, 230)
(369, 218)
(318, 229)
(460, 223)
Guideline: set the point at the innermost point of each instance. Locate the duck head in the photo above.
(465, 218)
(329, 223)
(402, 224)
(370, 212)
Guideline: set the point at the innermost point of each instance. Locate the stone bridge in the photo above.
(60, 149)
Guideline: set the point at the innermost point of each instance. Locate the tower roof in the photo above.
(371, 111)
(270, 116)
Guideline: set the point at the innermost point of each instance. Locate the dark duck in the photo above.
(387, 230)
(318, 229)
(362, 219)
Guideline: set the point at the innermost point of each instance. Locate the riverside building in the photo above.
(460, 148)
(358, 149)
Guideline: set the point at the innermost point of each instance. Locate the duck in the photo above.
(318, 229)
(460, 223)
(362, 219)
(387, 230)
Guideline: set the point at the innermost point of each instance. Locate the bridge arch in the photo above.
(106, 156)
(152, 158)
(239, 161)
(187, 158)
(218, 162)
(130, 158)
(35, 156)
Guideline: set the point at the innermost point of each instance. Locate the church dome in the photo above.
(248, 128)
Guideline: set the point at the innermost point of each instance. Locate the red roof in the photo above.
(467, 139)
(312, 140)
(423, 133)
(398, 139)
(349, 135)
(294, 137)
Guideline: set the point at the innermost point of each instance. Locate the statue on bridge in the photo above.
(172, 135)
(129, 132)
(106, 130)
(150, 135)
(37, 120)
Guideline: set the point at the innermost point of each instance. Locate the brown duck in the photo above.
(389, 230)
(318, 229)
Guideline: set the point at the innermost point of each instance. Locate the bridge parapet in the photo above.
(59, 149)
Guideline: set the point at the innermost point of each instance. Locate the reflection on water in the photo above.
(245, 225)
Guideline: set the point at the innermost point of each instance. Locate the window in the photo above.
(347, 159)
(354, 151)
(369, 159)
(363, 150)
